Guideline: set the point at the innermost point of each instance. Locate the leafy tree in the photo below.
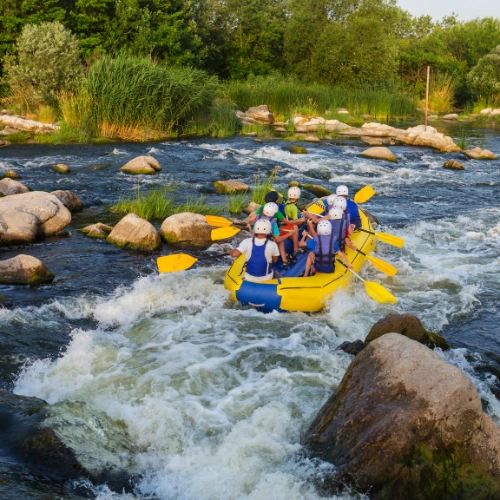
(484, 78)
(46, 61)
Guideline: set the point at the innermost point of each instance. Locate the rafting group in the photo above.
(275, 224)
(295, 259)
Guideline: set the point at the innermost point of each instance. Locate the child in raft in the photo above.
(270, 211)
(352, 208)
(292, 214)
(260, 252)
(324, 246)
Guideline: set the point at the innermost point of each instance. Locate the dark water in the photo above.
(105, 299)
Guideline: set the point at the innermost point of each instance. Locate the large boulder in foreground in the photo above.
(69, 199)
(409, 326)
(135, 233)
(67, 439)
(187, 229)
(27, 216)
(24, 270)
(8, 187)
(145, 165)
(404, 424)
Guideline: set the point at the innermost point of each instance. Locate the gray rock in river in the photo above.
(145, 165)
(379, 153)
(68, 439)
(11, 174)
(98, 230)
(409, 326)
(27, 216)
(8, 187)
(61, 168)
(187, 229)
(24, 270)
(405, 424)
(69, 199)
(135, 233)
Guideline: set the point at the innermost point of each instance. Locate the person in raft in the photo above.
(340, 227)
(292, 214)
(324, 246)
(270, 211)
(352, 208)
(260, 253)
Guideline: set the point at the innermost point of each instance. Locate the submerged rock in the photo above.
(135, 233)
(409, 326)
(480, 154)
(453, 165)
(24, 270)
(405, 424)
(379, 153)
(11, 174)
(68, 439)
(69, 199)
(145, 165)
(297, 150)
(61, 168)
(98, 230)
(187, 229)
(451, 116)
(316, 190)
(230, 187)
(353, 348)
(27, 216)
(8, 187)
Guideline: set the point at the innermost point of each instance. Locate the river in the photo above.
(216, 397)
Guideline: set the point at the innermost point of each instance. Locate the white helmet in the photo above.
(342, 191)
(331, 199)
(340, 203)
(262, 226)
(294, 193)
(324, 228)
(335, 213)
(270, 209)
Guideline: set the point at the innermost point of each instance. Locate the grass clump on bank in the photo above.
(262, 185)
(236, 203)
(287, 96)
(160, 204)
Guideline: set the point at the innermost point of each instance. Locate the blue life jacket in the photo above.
(272, 220)
(257, 264)
(353, 211)
(338, 230)
(281, 207)
(326, 247)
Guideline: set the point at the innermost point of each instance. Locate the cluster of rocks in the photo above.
(403, 423)
(490, 112)
(14, 124)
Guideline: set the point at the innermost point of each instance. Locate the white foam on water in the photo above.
(217, 397)
(117, 151)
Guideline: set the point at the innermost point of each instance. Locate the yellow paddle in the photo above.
(390, 239)
(380, 264)
(364, 194)
(214, 220)
(223, 233)
(376, 291)
(180, 262)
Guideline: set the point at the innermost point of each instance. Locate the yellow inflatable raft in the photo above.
(300, 294)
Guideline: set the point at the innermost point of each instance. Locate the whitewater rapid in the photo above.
(217, 397)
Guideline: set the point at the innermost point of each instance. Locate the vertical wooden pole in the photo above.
(427, 98)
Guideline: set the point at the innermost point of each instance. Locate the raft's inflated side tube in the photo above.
(299, 294)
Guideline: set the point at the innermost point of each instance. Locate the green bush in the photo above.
(45, 62)
(132, 96)
(484, 78)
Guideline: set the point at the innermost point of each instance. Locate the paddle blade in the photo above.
(390, 239)
(174, 263)
(364, 194)
(382, 265)
(223, 233)
(213, 220)
(378, 293)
